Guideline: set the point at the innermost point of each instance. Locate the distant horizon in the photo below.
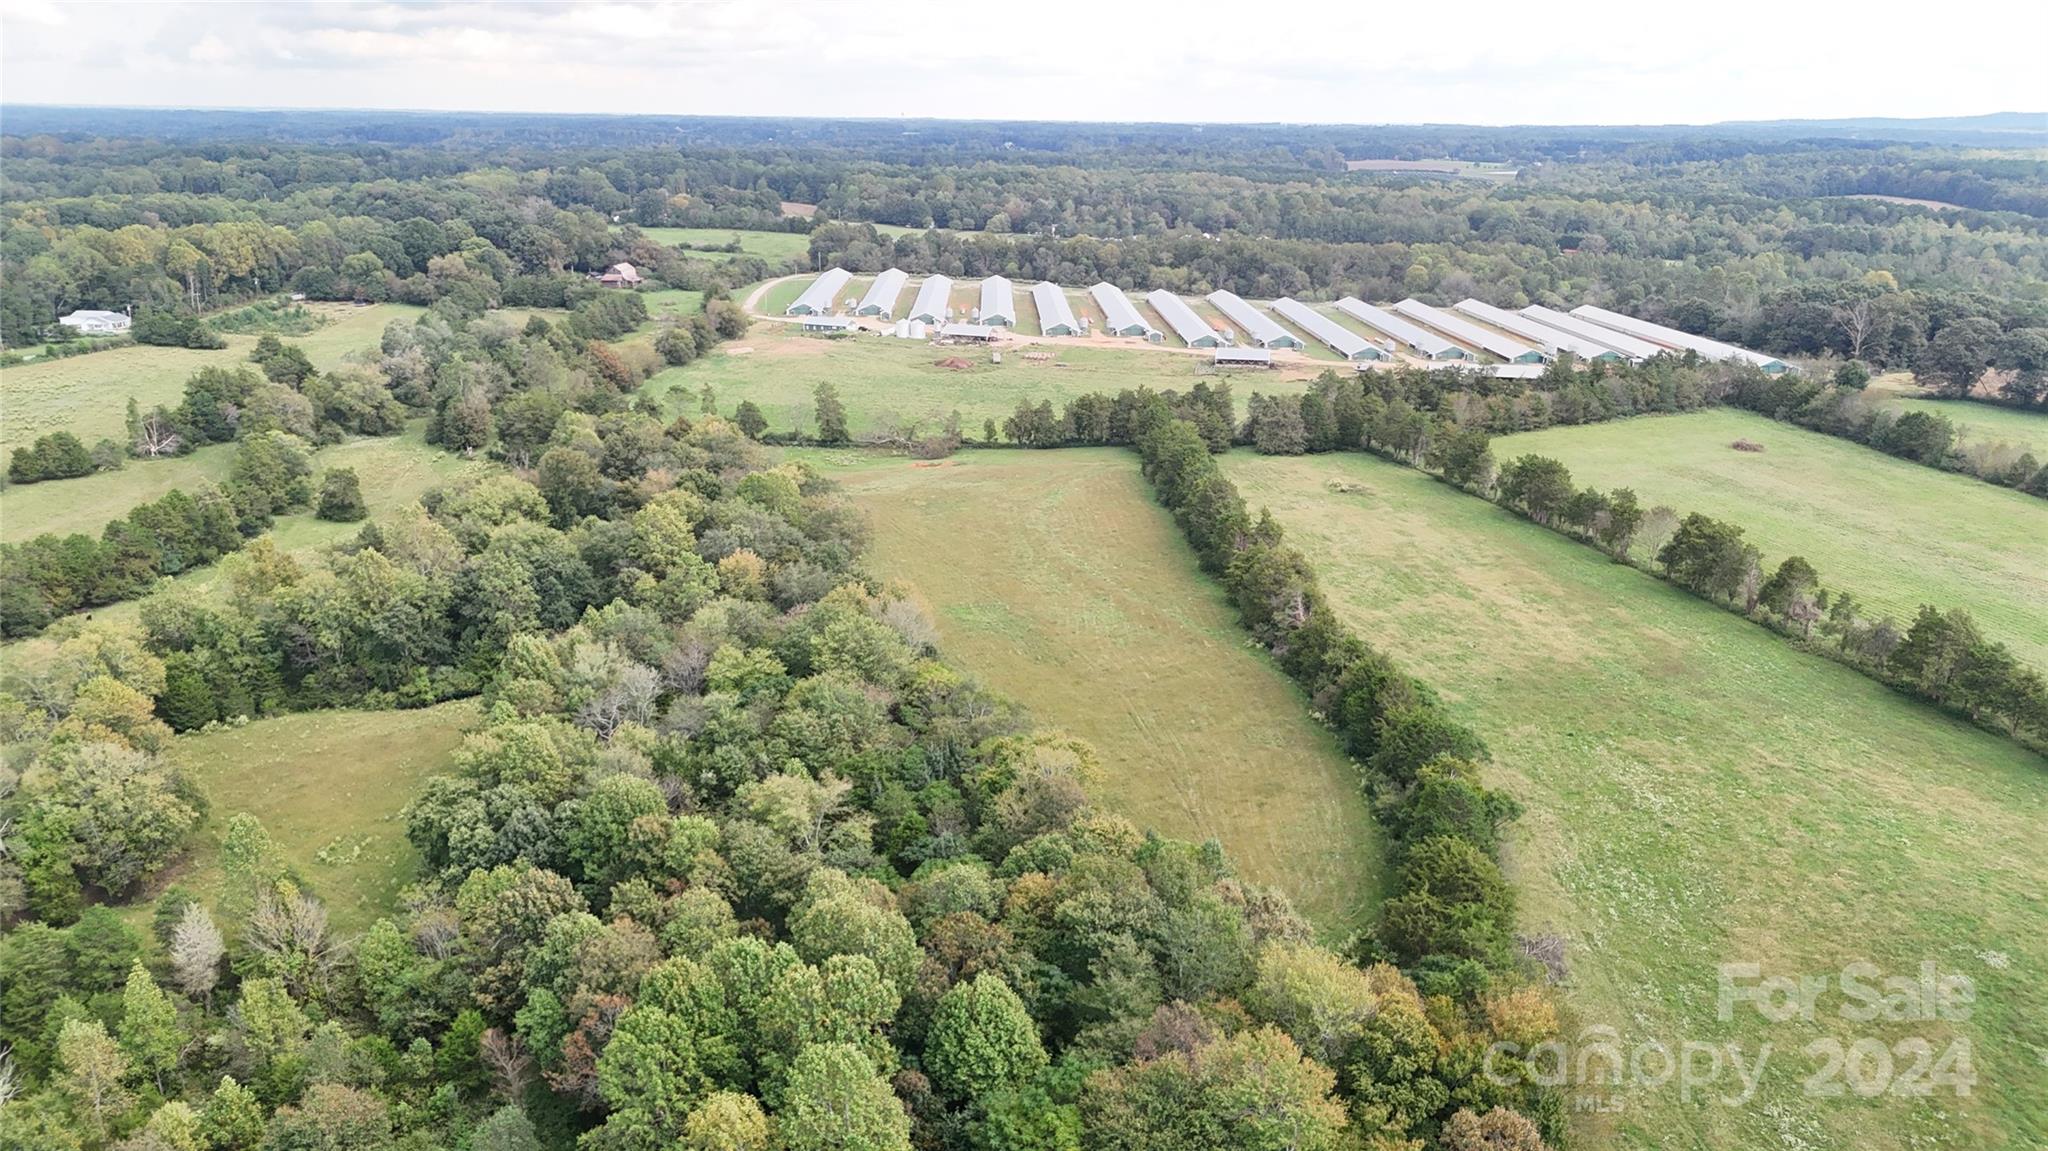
(1963, 118)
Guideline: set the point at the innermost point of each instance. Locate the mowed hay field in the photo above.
(1896, 534)
(883, 381)
(1058, 582)
(88, 395)
(331, 788)
(1699, 793)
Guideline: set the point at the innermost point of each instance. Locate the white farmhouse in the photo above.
(94, 323)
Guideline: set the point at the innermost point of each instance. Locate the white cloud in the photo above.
(1480, 61)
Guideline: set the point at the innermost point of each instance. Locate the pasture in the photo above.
(1698, 793)
(770, 246)
(1894, 533)
(1057, 581)
(88, 395)
(1976, 423)
(886, 382)
(331, 788)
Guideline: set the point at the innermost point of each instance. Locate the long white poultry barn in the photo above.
(1191, 328)
(817, 299)
(1428, 345)
(1055, 313)
(1678, 340)
(1119, 318)
(998, 302)
(1339, 338)
(1547, 339)
(1621, 342)
(1258, 328)
(1468, 332)
(933, 296)
(880, 299)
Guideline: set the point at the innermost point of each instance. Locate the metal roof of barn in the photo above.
(818, 297)
(1178, 316)
(1117, 312)
(1546, 338)
(1053, 308)
(881, 295)
(1347, 343)
(1258, 327)
(998, 300)
(1585, 329)
(1674, 338)
(933, 296)
(1428, 343)
(1464, 330)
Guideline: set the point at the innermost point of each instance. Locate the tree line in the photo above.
(732, 861)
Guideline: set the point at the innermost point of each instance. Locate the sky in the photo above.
(1339, 61)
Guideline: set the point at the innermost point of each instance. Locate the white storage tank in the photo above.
(917, 329)
(903, 329)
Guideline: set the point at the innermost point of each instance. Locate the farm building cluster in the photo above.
(1512, 344)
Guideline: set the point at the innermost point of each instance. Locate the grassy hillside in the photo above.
(88, 395)
(883, 380)
(1057, 580)
(1699, 793)
(1895, 533)
(330, 787)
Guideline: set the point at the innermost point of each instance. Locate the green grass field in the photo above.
(88, 395)
(767, 245)
(1700, 793)
(330, 787)
(1057, 581)
(881, 380)
(1976, 423)
(1894, 533)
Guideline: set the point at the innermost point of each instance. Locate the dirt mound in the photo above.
(1747, 446)
(954, 363)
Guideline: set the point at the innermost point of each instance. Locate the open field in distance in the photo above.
(1700, 793)
(1895, 533)
(88, 395)
(1059, 582)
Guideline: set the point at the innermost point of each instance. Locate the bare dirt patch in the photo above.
(1747, 446)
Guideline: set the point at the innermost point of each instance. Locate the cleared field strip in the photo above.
(1894, 533)
(1699, 793)
(1058, 581)
(767, 245)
